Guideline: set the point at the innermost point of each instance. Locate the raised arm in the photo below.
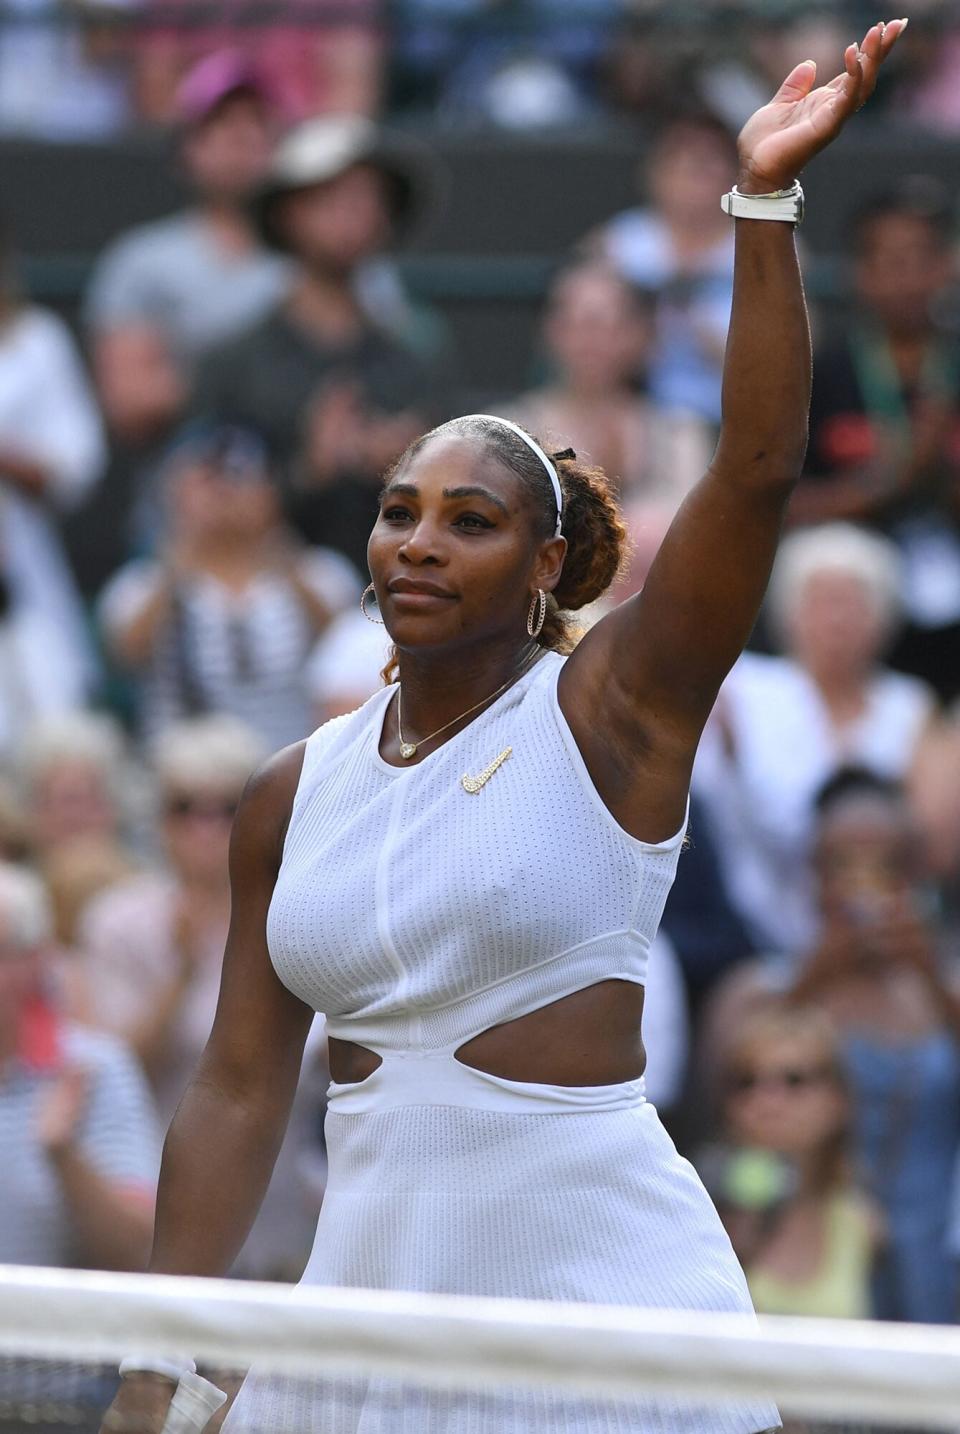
(654, 665)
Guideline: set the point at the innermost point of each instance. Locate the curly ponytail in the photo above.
(596, 547)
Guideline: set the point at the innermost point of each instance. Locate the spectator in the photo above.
(51, 455)
(80, 799)
(783, 725)
(597, 332)
(679, 249)
(65, 69)
(152, 951)
(335, 394)
(224, 619)
(783, 1183)
(878, 973)
(167, 291)
(884, 423)
(199, 276)
(78, 1141)
(152, 946)
(318, 56)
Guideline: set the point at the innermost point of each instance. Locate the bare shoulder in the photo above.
(264, 812)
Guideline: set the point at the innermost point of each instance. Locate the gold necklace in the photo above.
(409, 749)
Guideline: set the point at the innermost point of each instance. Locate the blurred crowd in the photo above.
(75, 70)
(186, 487)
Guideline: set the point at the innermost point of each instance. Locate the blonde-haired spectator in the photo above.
(80, 801)
(783, 1180)
(151, 947)
(783, 725)
(72, 769)
(880, 971)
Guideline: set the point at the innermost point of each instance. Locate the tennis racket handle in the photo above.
(193, 1403)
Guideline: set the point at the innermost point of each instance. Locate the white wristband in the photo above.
(785, 205)
(195, 1400)
(170, 1367)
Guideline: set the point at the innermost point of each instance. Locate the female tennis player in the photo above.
(466, 874)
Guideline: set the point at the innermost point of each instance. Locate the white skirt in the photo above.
(447, 1179)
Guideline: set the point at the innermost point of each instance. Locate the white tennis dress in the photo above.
(416, 914)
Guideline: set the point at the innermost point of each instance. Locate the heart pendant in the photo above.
(408, 750)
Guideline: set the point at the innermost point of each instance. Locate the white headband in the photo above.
(535, 448)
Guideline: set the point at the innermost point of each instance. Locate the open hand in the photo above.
(800, 120)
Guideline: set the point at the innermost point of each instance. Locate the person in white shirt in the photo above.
(52, 453)
(783, 725)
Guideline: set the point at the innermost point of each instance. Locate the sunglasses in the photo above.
(791, 1078)
(207, 808)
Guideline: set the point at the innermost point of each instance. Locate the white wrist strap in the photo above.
(192, 1406)
(171, 1367)
(785, 205)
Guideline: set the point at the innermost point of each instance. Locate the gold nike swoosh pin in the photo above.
(473, 784)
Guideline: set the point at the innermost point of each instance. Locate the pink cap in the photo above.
(215, 77)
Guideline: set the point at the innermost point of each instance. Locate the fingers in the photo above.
(849, 84)
(799, 82)
(869, 61)
(892, 32)
(877, 44)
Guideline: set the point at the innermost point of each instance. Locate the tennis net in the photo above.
(322, 1361)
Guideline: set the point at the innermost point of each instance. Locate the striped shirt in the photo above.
(117, 1134)
(239, 653)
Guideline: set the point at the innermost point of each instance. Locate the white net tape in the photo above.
(885, 1376)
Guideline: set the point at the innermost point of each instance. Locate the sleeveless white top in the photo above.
(415, 914)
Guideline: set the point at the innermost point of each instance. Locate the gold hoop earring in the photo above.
(363, 606)
(535, 624)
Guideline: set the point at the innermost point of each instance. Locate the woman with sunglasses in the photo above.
(152, 946)
(783, 1184)
(466, 874)
(879, 970)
